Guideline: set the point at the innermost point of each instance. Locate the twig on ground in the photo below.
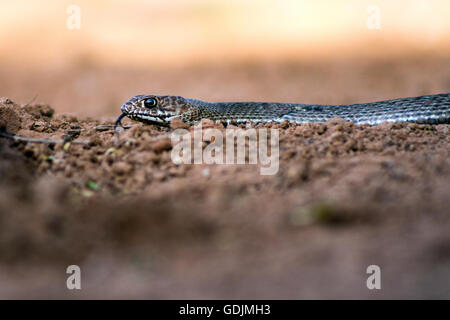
(105, 127)
(34, 140)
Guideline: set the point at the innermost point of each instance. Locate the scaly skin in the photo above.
(160, 110)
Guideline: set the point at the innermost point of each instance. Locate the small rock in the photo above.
(122, 168)
(38, 126)
(177, 123)
(4, 100)
(162, 145)
(159, 175)
(10, 120)
(321, 128)
(284, 124)
(47, 111)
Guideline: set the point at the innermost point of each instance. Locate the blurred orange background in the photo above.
(318, 51)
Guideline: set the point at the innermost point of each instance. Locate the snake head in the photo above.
(156, 109)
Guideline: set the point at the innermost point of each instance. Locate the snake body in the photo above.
(161, 109)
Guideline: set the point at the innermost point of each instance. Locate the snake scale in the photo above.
(161, 109)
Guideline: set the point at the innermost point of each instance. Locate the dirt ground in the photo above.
(139, 226)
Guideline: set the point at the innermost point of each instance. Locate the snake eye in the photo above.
(149, 103)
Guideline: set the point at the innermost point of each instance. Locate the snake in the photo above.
(160, 110)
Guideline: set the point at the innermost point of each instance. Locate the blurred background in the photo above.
(140, 226)
(88, 57)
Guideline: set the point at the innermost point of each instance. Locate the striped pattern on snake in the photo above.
(161, 109)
